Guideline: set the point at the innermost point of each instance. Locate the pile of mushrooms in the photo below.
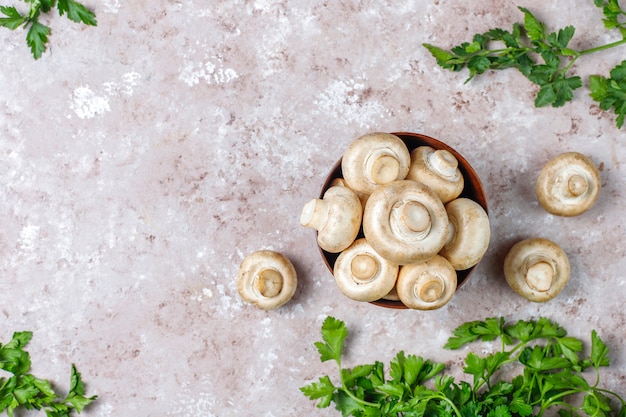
(398, 223)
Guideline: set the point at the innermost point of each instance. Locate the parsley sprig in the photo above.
(551, 377)
(544, 57)
(37, 34)
(22, 390)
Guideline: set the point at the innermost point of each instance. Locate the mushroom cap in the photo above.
(336, 217)
(537, 269)
(428, 285)
(405, 222)
(341, 182)
(468, 233)
(375, 159)
(392, 295)
(362, 274)
(266, 279)
(438, 169)
(568, 185)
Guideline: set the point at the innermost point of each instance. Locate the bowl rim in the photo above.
(476, 193)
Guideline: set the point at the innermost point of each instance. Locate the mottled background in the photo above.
(142, 159)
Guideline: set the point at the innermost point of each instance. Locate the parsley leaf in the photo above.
(334, 333)
(611, 92)
(544, 57)
(613, 15)
(24, 391)
(37, 38)
(13, 18)
(77, 12)
(551, 376)
(37, 34)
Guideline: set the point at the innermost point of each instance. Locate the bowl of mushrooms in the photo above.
(401, 221)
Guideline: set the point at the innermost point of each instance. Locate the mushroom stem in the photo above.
(540, 272)
(577, 185)
(443, 163)
(314, 214)
(432, 290)
(364, 267)
(414, 217)
(268, 283)
(382, 167)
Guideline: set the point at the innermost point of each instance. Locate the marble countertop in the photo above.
(142, 159)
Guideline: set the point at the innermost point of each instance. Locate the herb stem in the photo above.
(602, 47)
(354, 397)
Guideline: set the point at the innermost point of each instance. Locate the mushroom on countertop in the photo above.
(405, 222)
(537, 269)
(336, 217)
(266, 279)
(469, 233)
(428, 285)
(438, 169)
(374, 159)
(568, 185)
(362, 274)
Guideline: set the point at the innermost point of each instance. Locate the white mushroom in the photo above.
(405, 222)
(468, 233)
(362, 274)
(568, 185)
(537, 269)
(336, 217)
(438, 169)
(340, 182)
(266, 279)
(428, 285)
(375, 159)
(392, 295)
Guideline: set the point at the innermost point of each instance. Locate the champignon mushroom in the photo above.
(468, 233)
(392, 295)
(266, 279)
(568, 185)
(336, 217)
(405, 222)
(362, 274)
(438, 169)
(428, 285)
(340, 182)
(375, 159)
(537, 269)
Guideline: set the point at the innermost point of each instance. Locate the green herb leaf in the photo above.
(599, 351)
(322, 390)
(77, 12)
(529, 42)
(534, 28)
(334, 333)
(549, 378)
(37, 35)
(13, 18)
(487, 330)
(613, 15)
(23, 390)
(37, 38)
(611, 92)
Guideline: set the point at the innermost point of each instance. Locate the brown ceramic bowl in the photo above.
(473, 190)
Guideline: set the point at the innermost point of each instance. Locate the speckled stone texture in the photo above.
(142, 159)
